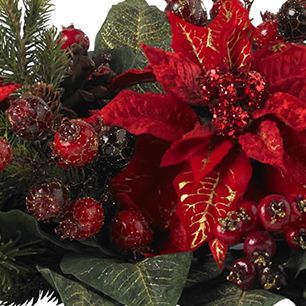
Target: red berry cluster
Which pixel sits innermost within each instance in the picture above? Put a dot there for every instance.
(255, 224)
(70, 35)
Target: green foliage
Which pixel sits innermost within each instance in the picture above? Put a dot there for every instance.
(24, 40)
(154, 281)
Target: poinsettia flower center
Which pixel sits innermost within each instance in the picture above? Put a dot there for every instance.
(232, 98)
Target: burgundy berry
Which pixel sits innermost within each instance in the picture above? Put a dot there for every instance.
(6, 154)
(273, 279)
(296, 237)
(298, 208)
(242, 273)
(252, 222)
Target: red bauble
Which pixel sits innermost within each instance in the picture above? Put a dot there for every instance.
(130, 230)
(76, 143)
(242, 273)
(30, 117)
(274, 212)
(267, 33)
(47, 200)
(250, 209)
(6, 154)
(296, 237)
(84, 221)
(259, 243)
(71, 35)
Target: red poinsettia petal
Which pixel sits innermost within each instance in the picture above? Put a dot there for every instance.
(132, 77)
(280, 62)
(218, 249)
(7, 89)
(266, 146)
(176, 73)
(190, 144)
(287, 108)
(204, 161)
(200, 206)
(162, 116)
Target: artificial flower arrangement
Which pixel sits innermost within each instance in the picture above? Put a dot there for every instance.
(168, 166)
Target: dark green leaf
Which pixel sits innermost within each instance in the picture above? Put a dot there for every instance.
(154, 281)
(71, 292)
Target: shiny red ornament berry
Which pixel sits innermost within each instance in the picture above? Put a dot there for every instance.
(47, 200)
(6, 154)
(271, 278)
(251, 223)
(192, 11)
(243, 274)
(260, 242)
(267, 33)
(30, 117)
(296, 237)
(130, 231)
(71, 35)
(298, 208)
(274, 212)
(76, 143)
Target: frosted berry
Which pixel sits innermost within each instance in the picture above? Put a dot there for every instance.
(266, 33)
(71, 35)
(30, 117)
(117, 147)
(47, 200)
(192, 11)
(130, 231)
(242, 273)
(85, 221)
(296, 237)
(292, 20)
(75, 143)
(274, 212)
(6, 154)
(272, 278)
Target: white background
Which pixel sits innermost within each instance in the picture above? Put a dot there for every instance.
(89, 16)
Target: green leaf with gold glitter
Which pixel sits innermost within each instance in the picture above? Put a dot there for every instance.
(152, 282)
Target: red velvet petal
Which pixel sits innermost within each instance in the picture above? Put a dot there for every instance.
(7, 89)
(218, 249)
(289, 109)
(176, 73)
(209, 157)
(200, 206)
(159, 115)
(266, 146)
(185, 148)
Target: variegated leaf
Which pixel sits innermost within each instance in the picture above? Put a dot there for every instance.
(155, 281)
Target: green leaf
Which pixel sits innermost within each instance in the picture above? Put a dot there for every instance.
(71, 292)
(154, 281)
(132, 23)
(229, 295)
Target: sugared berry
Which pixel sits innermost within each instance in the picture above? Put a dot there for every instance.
(30, 117)
(71, 35)
(130, 231)
(6, 154)
(274, 212)
(75, 143)
(272, 278)
(242, 273)
(296, 237)
(47, 200)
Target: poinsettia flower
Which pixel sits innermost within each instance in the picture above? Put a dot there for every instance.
(218, 161)
(6, 89)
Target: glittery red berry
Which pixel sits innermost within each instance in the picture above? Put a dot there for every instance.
(296, 237)
(192, 11)
(242, 273)
(266, 33)
(298, 208)
(30, 117)
(130, 231)
(71, 35)
(84, 221)
(6, 154)
(75, 143)
(47, 200)
(271, 278)
(252, 222)
(274, 212)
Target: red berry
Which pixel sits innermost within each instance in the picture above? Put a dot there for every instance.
(76, 143)
(6, 154)
(85, 221)
(296, 237)
(226, 235)
(71, 35)
(272, 278)
(260, 242)
(130, 230)
(250, 209)
(30, 117)
(298, 208)
(242, 273)
(47, 200)
(266, 33)
(274, 212)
